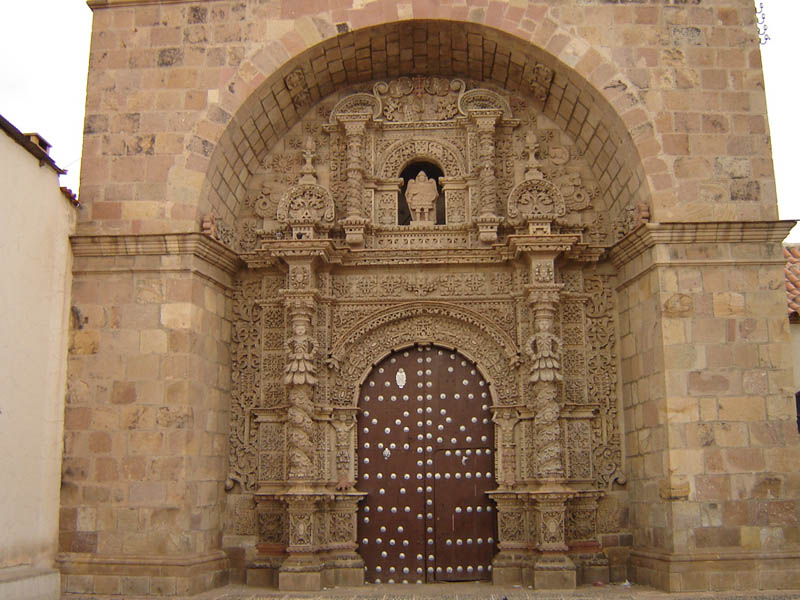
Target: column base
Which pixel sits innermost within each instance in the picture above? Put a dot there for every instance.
(592, 568)
(554, 572)
(346, 570)
(300, 574)
(511, 568)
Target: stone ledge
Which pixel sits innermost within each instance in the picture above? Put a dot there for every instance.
(648, 235)
(170, 244)
(156, 576)
(28, 583)
(716, 571)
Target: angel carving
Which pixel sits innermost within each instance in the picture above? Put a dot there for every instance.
(544, 348)
(421, 195)
(300, 351)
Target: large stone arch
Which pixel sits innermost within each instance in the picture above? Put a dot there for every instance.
(356, 350)
(279, 82)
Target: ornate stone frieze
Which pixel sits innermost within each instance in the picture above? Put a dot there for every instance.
(407, 324)
(403, 152)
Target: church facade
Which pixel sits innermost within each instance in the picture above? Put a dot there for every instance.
(374, 292)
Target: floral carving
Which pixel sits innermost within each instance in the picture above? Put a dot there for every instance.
(511, 526)
(602, 379)
(298, 88)
(272, 526)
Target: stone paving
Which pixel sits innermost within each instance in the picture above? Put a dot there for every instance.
(484, 591)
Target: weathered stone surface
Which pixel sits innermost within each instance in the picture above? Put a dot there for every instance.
(648, 143)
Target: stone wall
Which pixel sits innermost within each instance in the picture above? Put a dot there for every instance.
(709, 413)
(665, 103)
(34, 241)
(145, 443)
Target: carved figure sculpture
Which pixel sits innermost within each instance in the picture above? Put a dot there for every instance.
(421, 194)
(300, 350)
(544, 349)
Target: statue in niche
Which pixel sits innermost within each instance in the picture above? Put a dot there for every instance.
(300, 350)
(421, 195)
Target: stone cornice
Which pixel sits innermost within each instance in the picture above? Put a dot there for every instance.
(192, 244)
(648, 235)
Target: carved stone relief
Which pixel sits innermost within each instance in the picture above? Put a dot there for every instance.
(310, 321)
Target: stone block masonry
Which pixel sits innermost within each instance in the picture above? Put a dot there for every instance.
(659, 271)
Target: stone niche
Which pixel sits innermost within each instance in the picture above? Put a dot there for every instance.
(413, 212)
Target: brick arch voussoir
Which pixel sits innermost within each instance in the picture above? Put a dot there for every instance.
(256, 108)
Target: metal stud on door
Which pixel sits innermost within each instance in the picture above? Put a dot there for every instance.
(425, 454)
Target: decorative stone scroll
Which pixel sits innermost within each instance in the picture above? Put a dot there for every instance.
(482, 100)
(366, 106)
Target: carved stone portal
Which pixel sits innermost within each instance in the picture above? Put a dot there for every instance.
(512, 281)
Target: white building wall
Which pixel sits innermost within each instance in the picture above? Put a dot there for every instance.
(35, 271)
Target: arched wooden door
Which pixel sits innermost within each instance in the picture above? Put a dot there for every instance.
(426, 461)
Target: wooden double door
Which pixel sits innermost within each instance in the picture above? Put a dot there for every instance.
(426, 461)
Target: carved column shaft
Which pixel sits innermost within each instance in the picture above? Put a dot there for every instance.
(544, 348)
(300, 371)
(488, 180)
(344, 422)
(355, 131)
(506, 420)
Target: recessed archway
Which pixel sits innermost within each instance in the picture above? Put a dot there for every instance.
(609, 124)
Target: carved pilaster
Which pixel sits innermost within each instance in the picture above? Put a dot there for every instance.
(355, 129)
(300, 371)
(302, 569)
(506, 420)
(486, 122)
(553, 568)
(486, 209)
(514, 559)
(344, 421)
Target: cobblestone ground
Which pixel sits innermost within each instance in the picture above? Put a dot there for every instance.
(472, 591)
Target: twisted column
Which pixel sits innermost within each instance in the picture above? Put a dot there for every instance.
(544, 350)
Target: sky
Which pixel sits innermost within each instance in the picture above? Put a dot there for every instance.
(45, 50)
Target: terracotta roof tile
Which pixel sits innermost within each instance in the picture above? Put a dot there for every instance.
(792, 277)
